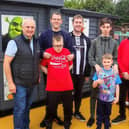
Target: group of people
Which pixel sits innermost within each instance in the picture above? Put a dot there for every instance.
(67, 60)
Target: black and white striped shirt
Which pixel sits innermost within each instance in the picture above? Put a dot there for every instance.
(81, 46)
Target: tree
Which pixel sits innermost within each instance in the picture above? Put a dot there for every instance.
(75, 4)
(122, 10)
(103, 6)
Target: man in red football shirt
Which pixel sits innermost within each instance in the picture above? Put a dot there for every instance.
(59, 83)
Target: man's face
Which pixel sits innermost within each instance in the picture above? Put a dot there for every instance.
(28, 28)
(56, 21)
(58, 45)
(15, 27)
(107, 63)
(105, 29)
(78, 24)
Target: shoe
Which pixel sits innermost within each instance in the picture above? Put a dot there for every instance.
(118, 119)
(90, 122)
(58, 121)
(79, 116)
(43, 123)
(110, 125)
(49, 125)
(67, 125)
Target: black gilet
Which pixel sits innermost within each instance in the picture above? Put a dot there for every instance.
(25, 66)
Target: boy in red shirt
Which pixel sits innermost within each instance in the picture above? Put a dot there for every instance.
(59, 83)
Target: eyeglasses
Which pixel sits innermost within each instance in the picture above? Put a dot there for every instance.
(57, 45)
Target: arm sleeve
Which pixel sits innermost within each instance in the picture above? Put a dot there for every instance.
(68, 53)
(95, 77)
(123, 53)
(118, 80)
(44, 62)
(91, 54)
(88, 67)
(42, 44)
(11, 49)
(69, 44)
(115, 53)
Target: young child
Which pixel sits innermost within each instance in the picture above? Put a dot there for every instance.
(59, 83)
(108, 83)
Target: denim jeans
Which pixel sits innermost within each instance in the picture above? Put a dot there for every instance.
(22, 103)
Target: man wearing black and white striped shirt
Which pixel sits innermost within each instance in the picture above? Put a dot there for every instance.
(81, 68)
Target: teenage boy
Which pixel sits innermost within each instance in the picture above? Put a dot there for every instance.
(59, 83)
(81, 67)
(104, 43)
(107, 82)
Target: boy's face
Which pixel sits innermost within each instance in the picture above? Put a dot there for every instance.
(105, 29)
(78, 24)
(58, 45)
(107, 63)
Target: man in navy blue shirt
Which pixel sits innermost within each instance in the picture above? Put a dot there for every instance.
(45, 41)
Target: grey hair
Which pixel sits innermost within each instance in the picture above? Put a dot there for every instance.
(28, 19)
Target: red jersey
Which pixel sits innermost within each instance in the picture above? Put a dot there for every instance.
(58, 78)
(123, 53)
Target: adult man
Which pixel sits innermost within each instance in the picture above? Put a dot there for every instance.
(99, 46)
(123, 62)
(45, 41)
(21, 66)
(81, 68)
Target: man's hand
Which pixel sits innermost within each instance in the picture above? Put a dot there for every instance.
(87, 79)
(70, 57)
(98, 68)
(12, 88)
(125, 75)
(46, 55)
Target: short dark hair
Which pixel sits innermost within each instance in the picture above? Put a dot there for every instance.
(56, 13)
(77, 17)
(105, 20)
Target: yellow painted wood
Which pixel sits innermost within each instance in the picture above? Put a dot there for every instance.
(37, 115)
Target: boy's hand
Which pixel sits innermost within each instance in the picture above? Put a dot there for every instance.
(46, 55)
(116, 100)
(70, 57)
(100, 81)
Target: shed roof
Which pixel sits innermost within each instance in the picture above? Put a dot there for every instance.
(57, 3)
(88, 13)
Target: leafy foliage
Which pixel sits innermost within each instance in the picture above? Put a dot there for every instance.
(122, 10)
(104, 6)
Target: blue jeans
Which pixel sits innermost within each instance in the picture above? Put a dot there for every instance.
(22, 103)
